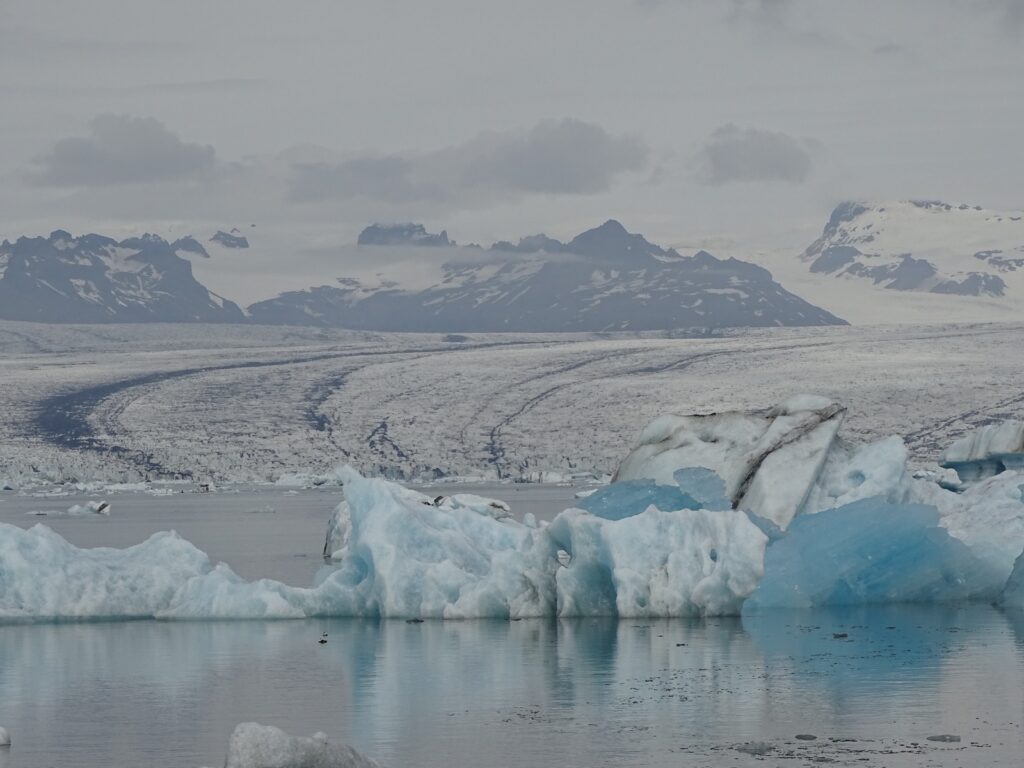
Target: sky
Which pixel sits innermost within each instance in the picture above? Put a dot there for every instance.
(734, 125)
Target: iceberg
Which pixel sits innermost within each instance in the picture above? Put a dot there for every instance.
(768, 462)
(869, 552)
(43, 577)
(987, 451)
(689, 562)
(263, 746)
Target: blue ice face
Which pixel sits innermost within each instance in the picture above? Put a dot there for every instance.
(631, 497)
(704, 486)
(867, 552)
(698, 488)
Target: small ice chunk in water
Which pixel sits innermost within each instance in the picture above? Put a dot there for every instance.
(263, 746)
(5, 738)
(90, 508)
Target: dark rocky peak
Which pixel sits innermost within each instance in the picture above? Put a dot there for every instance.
(232, 239)
(402, 234)
(611, 242)
(531, 244)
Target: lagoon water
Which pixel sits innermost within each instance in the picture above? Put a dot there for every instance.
(872, 684)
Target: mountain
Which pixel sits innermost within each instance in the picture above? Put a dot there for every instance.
(924, 245)
(232, 239)
(402, 234)
(96, 279)
(605, 279)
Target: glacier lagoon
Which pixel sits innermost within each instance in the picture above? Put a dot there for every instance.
(742, 514)
(869, 682)
(570, 692)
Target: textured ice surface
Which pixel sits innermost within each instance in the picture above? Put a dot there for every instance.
(263, 746)
(868, 552)
(690, 562)
(987, 451)
(42, 576)
(1002, 437)
(768, 462)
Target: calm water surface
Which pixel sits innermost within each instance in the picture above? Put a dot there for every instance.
(489, 693)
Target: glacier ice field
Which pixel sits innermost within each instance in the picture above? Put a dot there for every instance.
(708, 515)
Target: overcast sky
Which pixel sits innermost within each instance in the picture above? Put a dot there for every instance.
(734, 123)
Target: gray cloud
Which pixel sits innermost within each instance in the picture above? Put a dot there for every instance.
(734, 154)
(554, 157)
(121, 150)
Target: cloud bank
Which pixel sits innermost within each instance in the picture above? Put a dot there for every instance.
(120, 149)
(733, 154)
(554, 157)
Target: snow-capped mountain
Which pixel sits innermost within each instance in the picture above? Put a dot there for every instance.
(605, 279)
(924, 245)
(96, 279)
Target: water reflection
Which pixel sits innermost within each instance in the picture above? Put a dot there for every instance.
(572, 692)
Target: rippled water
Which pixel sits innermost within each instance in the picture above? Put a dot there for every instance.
(527, 693)
(870, 684)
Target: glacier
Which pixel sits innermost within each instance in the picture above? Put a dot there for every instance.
(709, 515)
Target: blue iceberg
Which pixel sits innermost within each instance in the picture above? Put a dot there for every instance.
(868, 552)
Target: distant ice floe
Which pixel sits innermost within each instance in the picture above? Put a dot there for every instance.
(263, 746)
(708, 515)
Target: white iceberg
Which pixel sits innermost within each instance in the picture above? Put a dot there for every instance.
(44, 577)
(263, 746)
(767, 462)
(690, 562)
(987, 451)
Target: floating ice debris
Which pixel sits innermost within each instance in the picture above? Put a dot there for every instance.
(263, 746)
(90, 508)
(947, 738)
(77, 510)
(5, 738)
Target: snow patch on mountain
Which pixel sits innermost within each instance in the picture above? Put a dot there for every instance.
(96, 279)
(924, 245)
